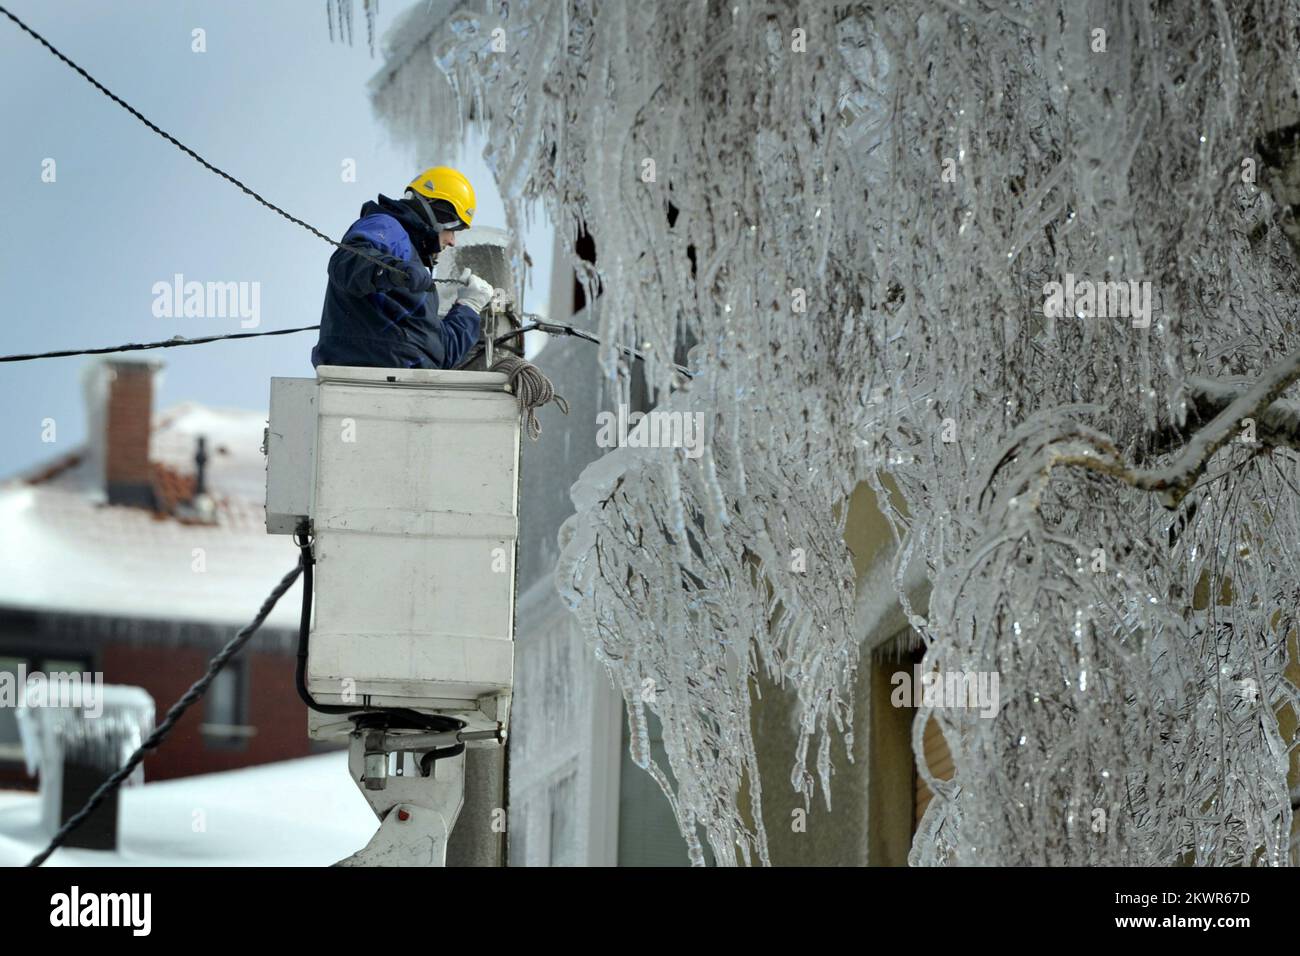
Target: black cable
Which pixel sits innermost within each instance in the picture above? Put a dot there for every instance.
(168, 344)
(308, 226)
(548, 327)
(551, 328)
(195, 692)
(177, 341)
(363, 717)
(429, 758)
(195, 156)
(304, 631)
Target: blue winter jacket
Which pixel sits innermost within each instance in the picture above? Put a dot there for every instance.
(367, 320)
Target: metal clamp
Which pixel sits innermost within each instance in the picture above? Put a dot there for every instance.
(417, 811)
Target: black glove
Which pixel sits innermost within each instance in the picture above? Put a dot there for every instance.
(409, 276)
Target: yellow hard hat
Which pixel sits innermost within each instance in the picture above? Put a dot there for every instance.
(443, 182)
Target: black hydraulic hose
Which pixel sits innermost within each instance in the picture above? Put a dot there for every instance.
(433, 756)
(400, 717)
(304, 632)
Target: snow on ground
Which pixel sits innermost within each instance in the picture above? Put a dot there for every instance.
(304, 812)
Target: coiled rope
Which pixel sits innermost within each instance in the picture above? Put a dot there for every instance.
(531, 387)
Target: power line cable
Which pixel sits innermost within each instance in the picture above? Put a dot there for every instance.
(195, 156)
(139, 346)
(196, 691)
(154, 127)
(550, 328)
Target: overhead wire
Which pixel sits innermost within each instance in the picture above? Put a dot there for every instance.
(550, 328)
(534, 390)
(210, 167)
(155, 128)
(171, 343)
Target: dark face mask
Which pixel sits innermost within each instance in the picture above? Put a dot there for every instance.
(428, 248)
(426, 241)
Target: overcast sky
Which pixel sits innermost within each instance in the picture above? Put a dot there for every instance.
(273, 102)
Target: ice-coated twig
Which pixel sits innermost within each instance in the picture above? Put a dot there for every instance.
(1085, 448)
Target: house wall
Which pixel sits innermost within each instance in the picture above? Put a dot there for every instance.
(564, 766)
(165, 658)
(564, 747)
(274, 712)
(571, 785)
(869, 818)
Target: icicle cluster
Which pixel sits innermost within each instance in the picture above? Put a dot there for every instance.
(97, 728)
(339, 15)
(853, 212)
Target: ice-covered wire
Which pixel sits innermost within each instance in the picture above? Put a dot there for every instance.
(191, 696)
(552, 328)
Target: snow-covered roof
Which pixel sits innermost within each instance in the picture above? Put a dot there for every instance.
(67, 550)
(305, 812)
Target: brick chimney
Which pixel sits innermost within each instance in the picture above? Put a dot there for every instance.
(120, 396)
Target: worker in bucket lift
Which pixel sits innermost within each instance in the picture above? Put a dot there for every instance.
(388, 317)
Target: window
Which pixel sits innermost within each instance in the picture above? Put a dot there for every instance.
(647, 829)
(226, 724)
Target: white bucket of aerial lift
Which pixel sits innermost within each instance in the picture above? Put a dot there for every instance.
(414, 511)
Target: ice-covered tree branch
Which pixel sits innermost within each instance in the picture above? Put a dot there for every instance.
(1275, 424)
(1223, 407)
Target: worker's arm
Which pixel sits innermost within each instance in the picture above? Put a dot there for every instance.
(463, 321)
(460, 330)
(363, 274)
